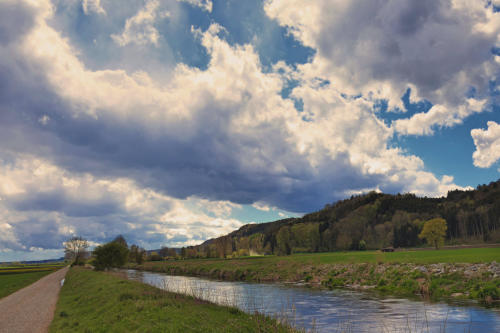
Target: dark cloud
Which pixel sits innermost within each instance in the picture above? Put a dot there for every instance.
(60, 202)
(17, 18)
(39, 233)
(424, 43)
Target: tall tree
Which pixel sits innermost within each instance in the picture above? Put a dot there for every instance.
(75, 249)
(283, 241)
(164, 252)
(434, 231)
(137, 254)
(121, 240)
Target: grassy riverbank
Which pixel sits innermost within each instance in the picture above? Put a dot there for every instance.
(100, 302)
(461, 273)
(15, 277)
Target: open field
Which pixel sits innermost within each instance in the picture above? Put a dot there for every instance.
(99, 302)
(465, 273)
(290, 265)
(29, 268)
(13, 278)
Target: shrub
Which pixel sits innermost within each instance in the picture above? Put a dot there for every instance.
(110, 255)
(382, 282)
(154, 256)
(489, 290)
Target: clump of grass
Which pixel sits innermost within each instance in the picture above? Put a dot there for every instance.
(489, 292)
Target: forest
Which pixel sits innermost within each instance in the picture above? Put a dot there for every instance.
(363, 222)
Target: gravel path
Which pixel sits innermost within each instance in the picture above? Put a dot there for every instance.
(31, 309)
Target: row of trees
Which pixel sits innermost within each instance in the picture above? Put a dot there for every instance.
(116, 253)
(308, 237)
(112, 254)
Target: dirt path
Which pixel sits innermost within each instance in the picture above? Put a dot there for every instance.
(31, 309)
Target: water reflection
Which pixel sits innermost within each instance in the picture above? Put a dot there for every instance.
(330, 311)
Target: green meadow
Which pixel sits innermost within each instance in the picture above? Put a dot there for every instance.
(15, 277)
(270, 264)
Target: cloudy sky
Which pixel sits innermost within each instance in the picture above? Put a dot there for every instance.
(174, 121)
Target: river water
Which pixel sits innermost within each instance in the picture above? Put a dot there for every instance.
(331, 311)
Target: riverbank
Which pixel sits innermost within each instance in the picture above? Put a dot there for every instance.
(458, 273)
(101, 302)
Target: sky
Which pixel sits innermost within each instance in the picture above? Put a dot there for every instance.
(175, 121)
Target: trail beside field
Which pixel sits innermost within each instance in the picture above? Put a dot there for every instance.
(31, 309)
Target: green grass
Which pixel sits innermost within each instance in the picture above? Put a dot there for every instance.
(393, 272)
(12, 282)
(469, 255)
(32, 267)
(99, 302)
(15, 277)
(25, 268)
(266, 268)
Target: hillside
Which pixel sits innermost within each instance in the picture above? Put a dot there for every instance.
(371, 221)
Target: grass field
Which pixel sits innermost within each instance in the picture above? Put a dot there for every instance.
(99, 302)
(268, 264)
(469, 255)
(400, 273)
(13, 277)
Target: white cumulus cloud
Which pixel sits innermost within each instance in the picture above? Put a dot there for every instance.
(90, 6)
(203, 4)
(140, 28)
(379, 49)
(487, 142)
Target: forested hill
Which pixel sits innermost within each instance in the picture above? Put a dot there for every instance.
(371, 221)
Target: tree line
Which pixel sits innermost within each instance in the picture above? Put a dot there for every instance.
(115, 253)
(370, 221)
(363, 222)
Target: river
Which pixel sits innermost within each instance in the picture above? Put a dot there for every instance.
(331, 311)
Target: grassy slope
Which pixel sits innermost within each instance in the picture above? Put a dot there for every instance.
(389, 272)
(9, 283)
(99, 302)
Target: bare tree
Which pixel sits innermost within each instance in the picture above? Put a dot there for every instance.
(224, 246)
(164, 252)
(137, 254)
(75, 249)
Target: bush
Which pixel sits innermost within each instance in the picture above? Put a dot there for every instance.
(362, 245)
(78, 263)
(154, 256)
(110, 255)
(382, 282)
(489, 290)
